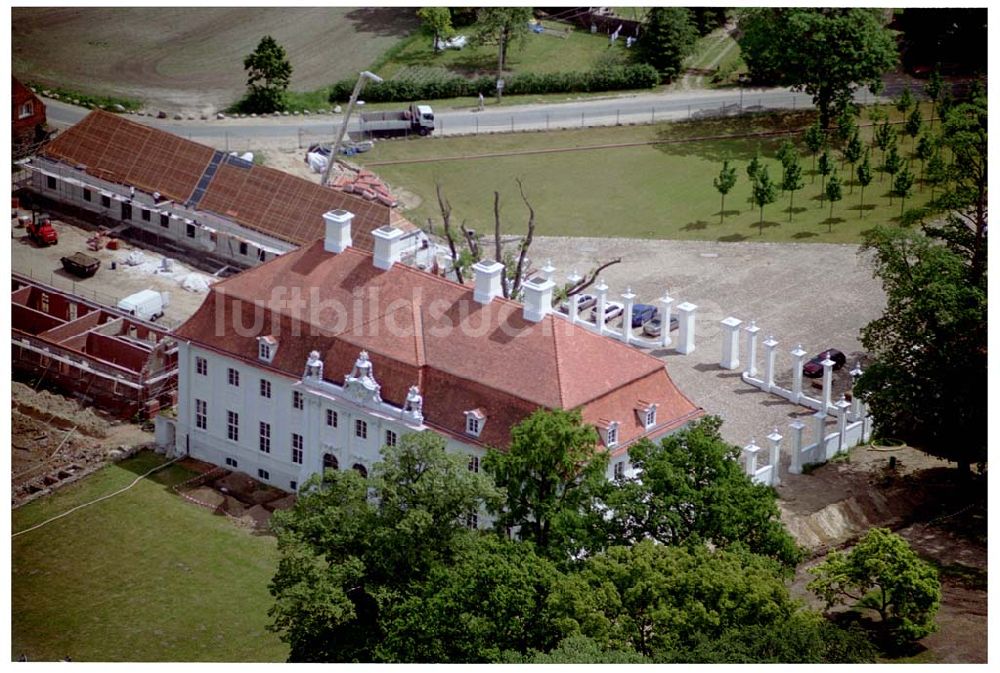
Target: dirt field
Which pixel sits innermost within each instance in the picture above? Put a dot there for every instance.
(54, 441)
(191, 59)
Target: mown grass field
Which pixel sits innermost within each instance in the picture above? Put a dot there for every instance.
(636, 182)
(143, 576)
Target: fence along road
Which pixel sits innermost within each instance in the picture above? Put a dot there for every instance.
(632, 109)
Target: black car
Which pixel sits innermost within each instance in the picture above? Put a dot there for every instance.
(814, 369)
(643, 313)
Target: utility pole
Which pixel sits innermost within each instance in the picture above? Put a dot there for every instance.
(362, 78)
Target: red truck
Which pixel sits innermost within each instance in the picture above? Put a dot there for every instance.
(41, 231)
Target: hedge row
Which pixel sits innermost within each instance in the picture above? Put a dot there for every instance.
(636, 76)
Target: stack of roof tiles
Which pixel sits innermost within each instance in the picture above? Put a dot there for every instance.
(365, 184)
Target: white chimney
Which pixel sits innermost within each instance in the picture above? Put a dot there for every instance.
(489, 276)
(537, 298)
(338, 230)
(388, 246)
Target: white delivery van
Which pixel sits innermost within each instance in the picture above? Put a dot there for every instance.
(145, 305)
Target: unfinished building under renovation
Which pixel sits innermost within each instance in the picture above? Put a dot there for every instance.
(106, 359)
(186, 196)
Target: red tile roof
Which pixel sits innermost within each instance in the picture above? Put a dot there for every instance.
(420, 329)
(272, 202)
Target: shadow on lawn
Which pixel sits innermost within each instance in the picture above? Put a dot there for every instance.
(384, 21)
(734, 138)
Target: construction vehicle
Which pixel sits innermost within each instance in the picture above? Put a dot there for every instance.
(414, 119)
(41, 231)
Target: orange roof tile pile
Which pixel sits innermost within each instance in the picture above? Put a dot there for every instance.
(420, 329)
(365, 184)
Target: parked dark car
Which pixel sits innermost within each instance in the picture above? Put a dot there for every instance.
(643, 313)
(654, 327)
(814, 369)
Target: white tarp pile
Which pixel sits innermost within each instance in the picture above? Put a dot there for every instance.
(135, 258)
(195, 282)
(317, 162)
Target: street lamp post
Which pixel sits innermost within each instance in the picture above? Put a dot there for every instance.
(362, 78)
(743, 79)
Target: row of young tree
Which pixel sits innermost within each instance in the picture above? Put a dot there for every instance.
(687, 564)
(929, 150)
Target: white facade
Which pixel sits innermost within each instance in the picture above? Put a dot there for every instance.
(349, 423)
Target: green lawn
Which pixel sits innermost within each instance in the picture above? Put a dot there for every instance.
(659, 189)
(143, 576)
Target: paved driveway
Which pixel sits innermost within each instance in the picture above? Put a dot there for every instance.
(817, 295)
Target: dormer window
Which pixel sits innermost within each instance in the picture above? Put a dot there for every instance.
(647, 414)
(474, 422)
(267, 346)
(609, 432)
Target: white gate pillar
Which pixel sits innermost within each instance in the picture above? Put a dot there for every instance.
(842, 407)
(819, 422)
(751, 331)
(667, 302)
(796, 465)
(730, 343)
(629, 300)
(775, 439)
(855, 399)
(548, 270)
(602, 299)
(770, 344)
(827, 382)
(798, 355)
(750, 452)
(685, 314)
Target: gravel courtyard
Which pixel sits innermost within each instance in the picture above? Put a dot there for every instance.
(816, 295)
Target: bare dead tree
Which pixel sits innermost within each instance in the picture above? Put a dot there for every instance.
(498, 256)
(589, 279)
(471, 240)
(525, 244)
(445, 207)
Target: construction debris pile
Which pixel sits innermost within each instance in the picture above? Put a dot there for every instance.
(244, 500)
(365, 184)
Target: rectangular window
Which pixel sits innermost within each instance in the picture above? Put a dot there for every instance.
(26, 110)
(105, 201)
(296, 448)
(146, 215)
(190, 231)
(261, 255)
(361, 429)
(473, 463)
(297, 400)
(612, 436)
(201, 365)
(265, 437)
(126, 211)
(651, 418)
(231, 462)
(620, 469)
(331, 418)
(293, 485)
(50, 182)
(265, 388)
(87, 195)
(472, 520)
(263, 474)
(390, 438)
(201, 414)
(472, 425)
(243, 248)
(234, 377)
(233, 425)
(164, 220)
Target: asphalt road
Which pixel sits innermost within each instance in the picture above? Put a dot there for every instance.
(630, 109)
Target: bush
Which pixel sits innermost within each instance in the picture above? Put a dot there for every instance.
(609, 78)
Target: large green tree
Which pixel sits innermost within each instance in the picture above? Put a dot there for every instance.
(502, 27)
(692, 487)
(553, 475)
(927, 382)
(352, 548)
(882, 573)
(436, 22)
(828, 52)
(667, 37)
(657, 599)
(268, 75)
